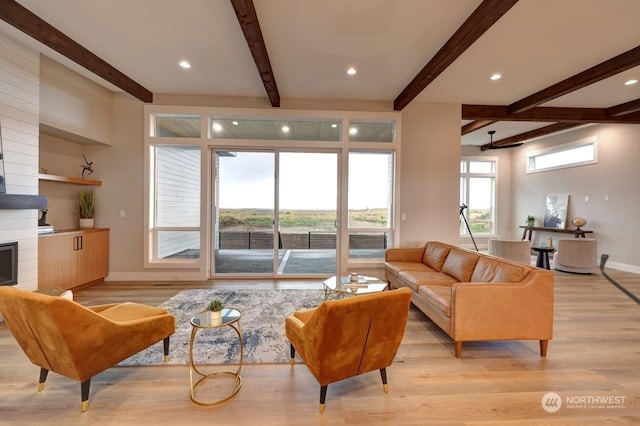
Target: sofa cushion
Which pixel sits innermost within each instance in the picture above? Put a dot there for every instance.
(396, 267)
(491, 270)
(460, 264)
(435, 255)
(439, 296)
(415, 279)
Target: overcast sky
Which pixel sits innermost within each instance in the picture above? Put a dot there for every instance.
(307, 181)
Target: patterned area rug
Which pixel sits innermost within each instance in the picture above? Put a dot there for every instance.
(262, 325)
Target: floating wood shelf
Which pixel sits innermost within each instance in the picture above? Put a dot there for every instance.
(65, 179)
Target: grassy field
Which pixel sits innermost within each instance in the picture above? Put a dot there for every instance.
(298, 220)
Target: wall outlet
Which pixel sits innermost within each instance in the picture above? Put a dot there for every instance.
(123, 213)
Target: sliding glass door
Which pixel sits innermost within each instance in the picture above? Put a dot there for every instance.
(244, 197)
(307, 212)
(257, 192)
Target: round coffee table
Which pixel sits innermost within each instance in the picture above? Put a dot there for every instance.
(334, 286)
(202, 320)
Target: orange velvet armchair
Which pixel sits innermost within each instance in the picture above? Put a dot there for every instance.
(67, 338)
(344, 338)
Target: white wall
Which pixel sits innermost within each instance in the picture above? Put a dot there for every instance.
(616, 175)
(19, 106)
(430, 174)
(74, 105)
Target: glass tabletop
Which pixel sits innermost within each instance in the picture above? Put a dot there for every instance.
(373, 285)
(205, 319)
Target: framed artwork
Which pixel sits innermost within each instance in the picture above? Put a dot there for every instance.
(555, 211)
(3, 187)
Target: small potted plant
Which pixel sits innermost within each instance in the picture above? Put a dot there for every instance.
(530, 220)
(215, 311)
(87, 208)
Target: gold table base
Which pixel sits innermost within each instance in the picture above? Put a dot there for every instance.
(193, 368)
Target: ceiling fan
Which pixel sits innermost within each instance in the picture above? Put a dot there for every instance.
(492, 146)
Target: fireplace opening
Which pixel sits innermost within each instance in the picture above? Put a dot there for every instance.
(9, 263)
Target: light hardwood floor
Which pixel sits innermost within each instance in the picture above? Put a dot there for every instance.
(595, 353)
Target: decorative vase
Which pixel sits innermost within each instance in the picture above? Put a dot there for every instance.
(87, 223)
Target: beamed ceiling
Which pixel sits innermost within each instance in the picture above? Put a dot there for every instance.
(564, 63)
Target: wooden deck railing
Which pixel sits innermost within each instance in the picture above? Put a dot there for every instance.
(310, 240)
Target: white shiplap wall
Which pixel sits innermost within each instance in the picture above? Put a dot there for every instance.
(19, 117)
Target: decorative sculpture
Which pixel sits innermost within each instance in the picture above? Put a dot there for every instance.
(87, 167)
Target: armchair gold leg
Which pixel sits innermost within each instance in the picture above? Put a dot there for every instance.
(292, 361)
(84, 394)
(323, 397)
(383, 375)
(43, 377)
(166, 359)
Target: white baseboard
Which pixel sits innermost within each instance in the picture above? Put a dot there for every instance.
(155, 276)
(623, 267)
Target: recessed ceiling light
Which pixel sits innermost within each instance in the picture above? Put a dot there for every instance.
(285, 129)
(351, 71)
(496, 76)
(353, 131)
(185, 64)
(235, 123)
(217, 127)
(334, 125)
(630, 82)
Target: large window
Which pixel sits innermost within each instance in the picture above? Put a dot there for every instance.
(578, 153)
(370, 201)
(277, 192)
(478, 194)
(175, 228)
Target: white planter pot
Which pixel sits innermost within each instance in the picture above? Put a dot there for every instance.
(215, 317)
(87, 223)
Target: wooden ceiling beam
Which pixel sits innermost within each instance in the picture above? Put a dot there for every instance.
(557, 114)
(475, 125)
(29, 23)
(606, 69)
(625, 108)
(536, 133)
(248, 19)
(485, 15)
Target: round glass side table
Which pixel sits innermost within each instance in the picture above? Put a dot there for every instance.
(203, 320)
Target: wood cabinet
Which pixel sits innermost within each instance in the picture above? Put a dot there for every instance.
(68, 259)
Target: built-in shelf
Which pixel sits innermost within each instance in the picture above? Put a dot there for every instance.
(65, 179)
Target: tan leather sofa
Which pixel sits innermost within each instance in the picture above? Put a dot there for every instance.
(473, 296)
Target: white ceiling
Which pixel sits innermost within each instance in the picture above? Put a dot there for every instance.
(311, 44)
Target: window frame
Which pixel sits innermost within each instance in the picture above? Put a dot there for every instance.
(208, 143)
(467, 175)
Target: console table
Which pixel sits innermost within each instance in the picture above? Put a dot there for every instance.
(529, 229)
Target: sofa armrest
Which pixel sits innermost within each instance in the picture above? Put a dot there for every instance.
(404, 254)
(503, 311)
